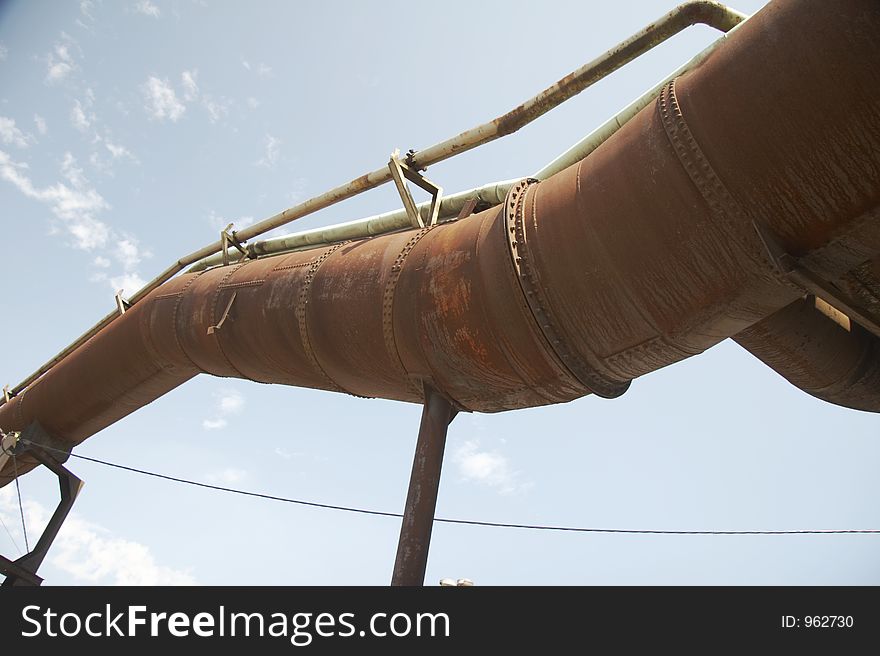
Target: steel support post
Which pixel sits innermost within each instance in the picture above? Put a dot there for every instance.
(421, 499)
(23, 572)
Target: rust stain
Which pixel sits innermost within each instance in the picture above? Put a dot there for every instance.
(639, 256)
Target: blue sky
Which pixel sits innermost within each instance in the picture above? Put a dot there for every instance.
(132, 132)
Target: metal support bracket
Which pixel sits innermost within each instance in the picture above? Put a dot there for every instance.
(121, 304)
(470, 205)
(227, 238)
(421, 498)
(23, 571)
(8, 442)
(822, 289)
(401, 172)
(213, 329)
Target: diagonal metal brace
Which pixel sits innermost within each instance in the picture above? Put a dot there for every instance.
(401, 172)
(822, 289)
(224, 317)
(227, 238)
(23, 571)
(121, 304)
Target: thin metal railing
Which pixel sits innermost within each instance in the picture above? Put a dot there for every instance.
(691, 13)
(489, 195)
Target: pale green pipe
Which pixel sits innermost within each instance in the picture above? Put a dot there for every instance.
(696, 11)
(450, 206)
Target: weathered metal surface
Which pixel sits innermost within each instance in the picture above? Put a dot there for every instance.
(818, 355)
(690, 13)
(460, 320)
(640, 255)
(533, 290)
(421, 497)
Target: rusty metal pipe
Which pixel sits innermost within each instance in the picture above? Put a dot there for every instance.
(818, 355)
(690, 13)
(379, 224)
(638, 256)
(820, 349)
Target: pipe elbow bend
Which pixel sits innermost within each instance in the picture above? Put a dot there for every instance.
(818, 355)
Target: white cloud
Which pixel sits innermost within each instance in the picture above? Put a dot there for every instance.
(85, 8)
(60, 62)
(273, 150)
(128, 282)
(81, 115)
(40, 122)
(486, 467)
(229, 402)
(10, 134)
(263, 70)
(118, 151)
(98, 163)
(104, 159)
(162, 102)
(252, 102)
(76, 205)
(228, 476)
(147, 8)
(4, 51)
(190, 86)
(72, 172)
(89, 233)
(216, 109)
(79, 118)
(89, 552)
(219, 222)
(129, 253)
(284, 453)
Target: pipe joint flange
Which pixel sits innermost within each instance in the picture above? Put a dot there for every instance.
(536, 299)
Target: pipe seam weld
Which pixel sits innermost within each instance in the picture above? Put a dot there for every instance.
(19, 412)
(301, 306)
(298, 265)
(388, 310)
(239, 285)
(174, 314)
(723, 205)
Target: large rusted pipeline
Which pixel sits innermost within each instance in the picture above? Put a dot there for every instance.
(818, 355)
(641, 255)
(836, 361)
